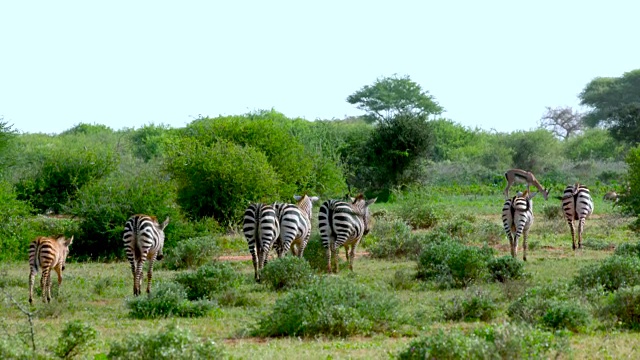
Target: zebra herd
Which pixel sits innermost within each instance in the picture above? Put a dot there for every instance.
(517, 212)
(287, 227)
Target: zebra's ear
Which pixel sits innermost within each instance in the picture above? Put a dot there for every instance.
(297, 197)
(164, 224)
(68, 242)
(314, 198)
(371, 201)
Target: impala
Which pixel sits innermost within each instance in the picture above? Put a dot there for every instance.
(521, 176)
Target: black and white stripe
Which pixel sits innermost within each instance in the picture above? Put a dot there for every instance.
(46, 254)
(143, 240)
(517, 218)
(343, 224)
(295, 225)
(261, 228)
(577, 204)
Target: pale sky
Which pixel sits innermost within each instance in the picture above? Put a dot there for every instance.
(490, 64)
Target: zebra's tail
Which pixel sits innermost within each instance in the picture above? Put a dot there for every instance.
(257, 237)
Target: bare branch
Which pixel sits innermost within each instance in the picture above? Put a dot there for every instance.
(29, 314)
(562, 121)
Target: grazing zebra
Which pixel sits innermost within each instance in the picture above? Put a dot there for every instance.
(261, 228)
(47, 253)
(577, 205)
(517, 218)
(343, 224)
(295, 225)
(143, 240)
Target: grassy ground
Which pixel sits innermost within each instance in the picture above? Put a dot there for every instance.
(96, 292)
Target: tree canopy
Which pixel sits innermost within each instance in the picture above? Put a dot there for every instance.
(611, 98)
(391, 96)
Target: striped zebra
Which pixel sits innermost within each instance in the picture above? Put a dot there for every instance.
(295, 225)
(343, 224)
(261, 228)
(47, 253)
(517, 218)
(143, 240)
(577, 205)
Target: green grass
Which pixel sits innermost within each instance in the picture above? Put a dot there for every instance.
(95, 293)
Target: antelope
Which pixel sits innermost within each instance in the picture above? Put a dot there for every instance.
(611, 196)
(522, 176)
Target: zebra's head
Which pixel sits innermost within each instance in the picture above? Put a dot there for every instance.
(64, 243)
(361, 207)
(305, 203)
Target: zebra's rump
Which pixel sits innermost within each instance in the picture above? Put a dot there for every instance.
(143, 236)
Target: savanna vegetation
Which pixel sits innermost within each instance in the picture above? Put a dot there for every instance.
(432, 280)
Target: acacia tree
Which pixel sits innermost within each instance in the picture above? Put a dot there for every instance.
(562, 121)
(610, 98)
(391, 96)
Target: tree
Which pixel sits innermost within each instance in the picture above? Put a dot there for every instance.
(625, 123)
(608, 95)
(7, 133)
(562, 121)
(391, 96)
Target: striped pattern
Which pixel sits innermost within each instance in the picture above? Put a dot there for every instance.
(295, 225)
(343, 224)
(46, 254)
(143, 240)
(577, 206)
(261, 228)
(517, 218)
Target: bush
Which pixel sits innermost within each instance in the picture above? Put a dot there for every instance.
(75, 336)
(287, 272)
(475, 305)
(315, 254)
(330, 306)
(391, 239)
(171, 343)
(612, 273)
(418, 214)
(403, 280)
(209, 281)
(191, 253)
(565, 315)
(628, 249)
(506, 268)
(452, 264)
(15, 232)
(552, 211)
(625, 307)
(167, 299)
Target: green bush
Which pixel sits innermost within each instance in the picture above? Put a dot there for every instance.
(403, 280)
(628, 249)
(612, 273)
(452, 264)
(473, 306)
(75, 336)
(148, 141)
(221, 179)
(170, 343)
(565, 315)
(287, 272)
(209, 281)
(552, 211)
(418, 214)
(330, 306)
(315, 254)
(624, 305)
(167, 299)
(15, 232)
(392, 239)
(506, 268)
(191, 253)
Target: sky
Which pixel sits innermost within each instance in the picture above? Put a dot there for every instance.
(493, 65)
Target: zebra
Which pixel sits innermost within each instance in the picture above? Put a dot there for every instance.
(517, 218)
(261, 228)
(343, 224)
(295, 225)
(577, 204)
(143, 240)
(47, 253)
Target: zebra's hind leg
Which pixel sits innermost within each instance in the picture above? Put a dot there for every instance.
(573, 234)
(150, 274)
(580, 229)
(524, 245)
(32, 279)
(352, 255)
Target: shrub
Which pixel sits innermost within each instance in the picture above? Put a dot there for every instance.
(628, 249)
(209, 280)
(391, 239)
(506, 268)
(565, 315)
(475, 305)
(15, 232)
(191, 253)
(287, 272)
(552, 211)
(315, 254)
(166, 299)
(74, 338)
(418, 214)
(330, 306)
(625, 307)
(170, 343)
(453, 264)
(612, 273)
(403, 280)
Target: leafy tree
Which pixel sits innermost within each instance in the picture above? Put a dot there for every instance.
(447, 137)
(608, 96)
(391, 96)
(592, 144)
(562, 121)
(7, 133)
(625, 123)
(536, 151)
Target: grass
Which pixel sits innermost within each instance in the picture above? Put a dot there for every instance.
(95, 293)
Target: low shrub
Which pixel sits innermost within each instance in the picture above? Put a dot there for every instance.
(488, 232)
(170, 343)
(624, 306)
(612, 273)
(191, 253)
(286, 273)
(458, 227)
(565, 315)
(403, 280)
(452, 264)
(506, 268)
(167, 299)
(209, 281)
(472, 306)
(628, 249)
(418, 214)
(552, 211)
(392, 239)
(599, 245)
(76, 336)
(330, 306)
